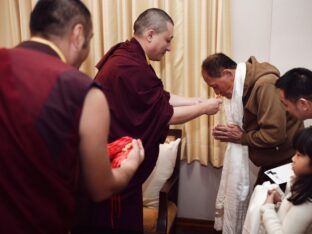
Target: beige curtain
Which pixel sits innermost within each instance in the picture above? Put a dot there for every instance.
(202, 27)
(14, 21)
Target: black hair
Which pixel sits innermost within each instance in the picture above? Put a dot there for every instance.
(296, 84)
(56, 17)
(301, 190)
(216, 63)
(152, 18)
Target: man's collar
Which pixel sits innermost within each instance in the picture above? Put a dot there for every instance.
(146, 57)
(51, 45)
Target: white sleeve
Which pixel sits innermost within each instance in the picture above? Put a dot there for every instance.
(297, 220)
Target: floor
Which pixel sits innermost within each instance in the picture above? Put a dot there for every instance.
(195, 230)
(186, 226)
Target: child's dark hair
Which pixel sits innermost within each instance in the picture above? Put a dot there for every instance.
(302, 188)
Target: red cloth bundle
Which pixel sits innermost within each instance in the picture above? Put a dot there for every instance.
(119, 150)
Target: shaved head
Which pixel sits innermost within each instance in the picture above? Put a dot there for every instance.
(153, 18)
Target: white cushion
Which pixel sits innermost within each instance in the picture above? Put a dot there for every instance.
(161, 173)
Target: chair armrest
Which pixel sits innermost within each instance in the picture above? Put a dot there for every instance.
(167, 193)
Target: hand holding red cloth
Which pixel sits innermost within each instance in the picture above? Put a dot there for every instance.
(119, 150)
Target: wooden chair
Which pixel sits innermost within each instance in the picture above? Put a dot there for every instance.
(168, 197)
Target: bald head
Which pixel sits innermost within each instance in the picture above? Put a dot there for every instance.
(153, 18)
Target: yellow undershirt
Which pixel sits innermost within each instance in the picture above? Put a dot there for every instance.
(147, 59)
(51, 45)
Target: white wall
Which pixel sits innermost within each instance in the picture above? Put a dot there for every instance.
(277, 31)
(251, 29)
(291, 40)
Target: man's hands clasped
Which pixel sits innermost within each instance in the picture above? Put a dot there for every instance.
(228, 133)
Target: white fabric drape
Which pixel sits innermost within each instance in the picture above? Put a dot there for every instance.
(252, 224)
(232, 198)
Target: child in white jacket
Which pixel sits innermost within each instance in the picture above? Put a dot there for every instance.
(294, 216)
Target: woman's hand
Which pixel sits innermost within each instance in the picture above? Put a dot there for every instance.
(273, 197)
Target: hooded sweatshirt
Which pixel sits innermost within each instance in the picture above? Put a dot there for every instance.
(268, 128)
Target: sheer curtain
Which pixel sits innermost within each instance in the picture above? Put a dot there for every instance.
(202, 27)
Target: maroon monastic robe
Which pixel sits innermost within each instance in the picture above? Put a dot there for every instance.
(139, 108)
(40, 105)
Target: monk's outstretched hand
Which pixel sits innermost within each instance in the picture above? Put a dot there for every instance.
(211, 105)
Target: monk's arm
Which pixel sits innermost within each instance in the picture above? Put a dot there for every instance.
(176, 100)
(182, 114)
(100, 180)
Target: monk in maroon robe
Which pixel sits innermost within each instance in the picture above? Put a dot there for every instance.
(140, 108)
(53, 125)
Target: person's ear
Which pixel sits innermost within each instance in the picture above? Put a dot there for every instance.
(228, 73)
(77, 37)
(149, 35)
(303, 104)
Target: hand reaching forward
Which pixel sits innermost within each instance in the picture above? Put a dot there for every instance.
(211, 106)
